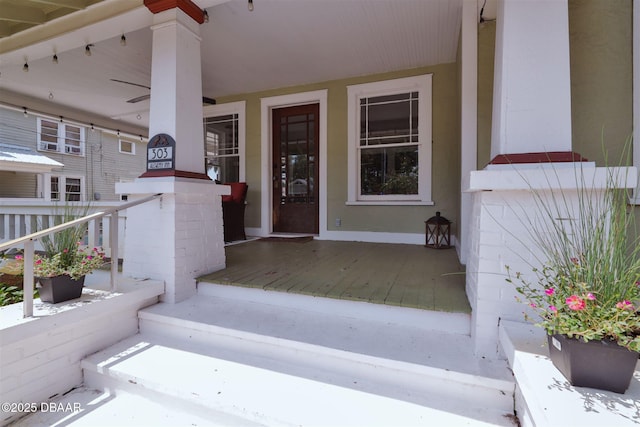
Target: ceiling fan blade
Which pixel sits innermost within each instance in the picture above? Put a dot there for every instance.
(138, 99)
(130, 83)
(205, 100)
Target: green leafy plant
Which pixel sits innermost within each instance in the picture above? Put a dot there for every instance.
(10, 295)
(589, 284)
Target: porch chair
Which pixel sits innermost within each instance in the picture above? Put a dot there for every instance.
(233, 211)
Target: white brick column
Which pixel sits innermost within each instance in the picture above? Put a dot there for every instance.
(500, 236)
(177, 237)
(180, 236)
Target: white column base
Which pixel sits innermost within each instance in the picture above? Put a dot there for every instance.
(499, 234)
(176, 237)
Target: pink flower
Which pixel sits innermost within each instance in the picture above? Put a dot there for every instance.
(532, 305)
(38, 262)
(65, 251)
(553, 308)
(19, 257)
(550, 291)
(89, 257)
(574, 260)
(625, 305)
(575, 303)
(591, 297)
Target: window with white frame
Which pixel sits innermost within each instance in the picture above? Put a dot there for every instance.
(126, 146)
(60, 137)
(224, 142)
(67, 188)
(390, 141)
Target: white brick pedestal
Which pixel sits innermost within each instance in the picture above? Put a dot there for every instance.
(499, 236)
(177, 237)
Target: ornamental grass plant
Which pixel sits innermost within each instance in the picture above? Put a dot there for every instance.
(589, 284)
(64, 252)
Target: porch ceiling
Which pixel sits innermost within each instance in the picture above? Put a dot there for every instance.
(281, 43)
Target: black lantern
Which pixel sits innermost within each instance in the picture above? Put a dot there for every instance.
(438, 232)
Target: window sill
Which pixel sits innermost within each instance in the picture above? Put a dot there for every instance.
(389, 203)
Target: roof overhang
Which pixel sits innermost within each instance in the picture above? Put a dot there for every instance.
(17, 158)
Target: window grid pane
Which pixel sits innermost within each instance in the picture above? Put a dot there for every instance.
(48, 135)
(72, 189)
(73, 140)
(55, 188)
(222, 147)
(389, 145)
(390, 119)
(388, 170)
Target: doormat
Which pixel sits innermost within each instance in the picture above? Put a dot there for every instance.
(301, 239)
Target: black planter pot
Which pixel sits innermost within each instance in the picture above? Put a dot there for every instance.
(59, 288)
(597, 364)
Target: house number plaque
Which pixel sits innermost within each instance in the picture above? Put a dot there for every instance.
(161, 151)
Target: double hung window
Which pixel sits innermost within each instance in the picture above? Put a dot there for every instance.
(224, 142)
(60, 137)
(390, 141)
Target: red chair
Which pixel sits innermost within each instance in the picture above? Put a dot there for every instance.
(233, 211)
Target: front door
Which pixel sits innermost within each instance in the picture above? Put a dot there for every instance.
(295, 169)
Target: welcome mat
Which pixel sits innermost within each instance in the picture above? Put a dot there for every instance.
(301, 239)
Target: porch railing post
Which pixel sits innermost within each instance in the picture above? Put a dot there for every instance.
(27, 280)
(113, 241)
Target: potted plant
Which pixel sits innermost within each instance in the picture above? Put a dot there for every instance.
(61, 270)
(586, 295)
(60, 275)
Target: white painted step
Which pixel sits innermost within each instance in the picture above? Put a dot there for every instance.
(187, 378)
(84, 407)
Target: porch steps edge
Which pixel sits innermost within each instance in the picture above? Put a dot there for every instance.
(255, 333)
(197, 380)
(456, 323)
(157, 325)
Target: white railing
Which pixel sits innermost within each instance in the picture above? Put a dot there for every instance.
(28, 243)
(20, 217)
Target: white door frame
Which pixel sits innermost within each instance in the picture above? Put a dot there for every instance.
(266, 132)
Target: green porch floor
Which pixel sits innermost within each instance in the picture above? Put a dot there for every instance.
(395, 274)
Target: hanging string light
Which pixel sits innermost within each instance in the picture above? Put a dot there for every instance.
(26, 111)
(87, 49)
(25, 67)
(206, 15)
(123, 40)
(54, 59)
(250, 5)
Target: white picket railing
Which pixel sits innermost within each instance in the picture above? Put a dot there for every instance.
(20, 217)
(28, 241)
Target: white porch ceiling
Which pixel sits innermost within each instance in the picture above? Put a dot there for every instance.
(281, 43)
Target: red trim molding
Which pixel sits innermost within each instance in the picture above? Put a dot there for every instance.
(177, 174)
(187, 6)
(543, 157)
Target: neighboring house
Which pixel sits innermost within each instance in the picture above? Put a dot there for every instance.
(69, 160)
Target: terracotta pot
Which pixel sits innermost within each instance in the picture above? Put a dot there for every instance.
(597, 364)
(59, 288)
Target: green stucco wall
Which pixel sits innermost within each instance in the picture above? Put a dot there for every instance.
(600, 36)
(398, 219)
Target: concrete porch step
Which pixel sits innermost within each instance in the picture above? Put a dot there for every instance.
(187, 380)
(272, 363)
